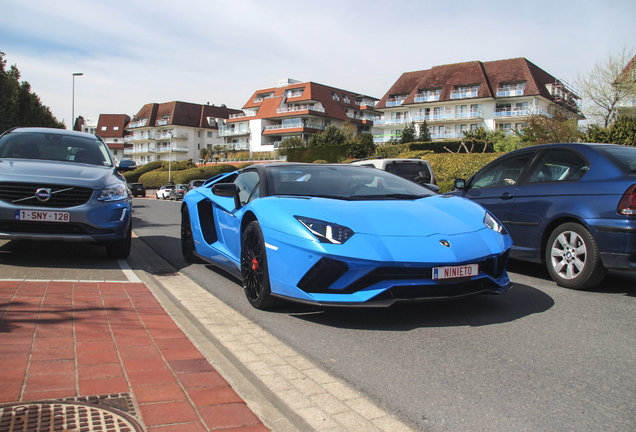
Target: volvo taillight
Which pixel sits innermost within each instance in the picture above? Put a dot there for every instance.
(627, 204)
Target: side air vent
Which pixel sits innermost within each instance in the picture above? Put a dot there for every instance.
(206, 218)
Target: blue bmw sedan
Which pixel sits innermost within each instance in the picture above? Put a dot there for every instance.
(570, 206)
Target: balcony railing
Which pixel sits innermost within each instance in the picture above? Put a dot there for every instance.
(391, 121)
(300, 108)
(520, 112)
(464, 94)
(447, 135)
(501, 92)
(243, 114)
(450, 115)
(166, 149)
(138, 123)
(167, 135)
(366, 103)
(231, 132)
(427, 97)
(295, 126)
(395, 101)
(379, 139)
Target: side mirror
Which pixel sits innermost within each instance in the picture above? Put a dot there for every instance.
(227, 190)
(459, 184)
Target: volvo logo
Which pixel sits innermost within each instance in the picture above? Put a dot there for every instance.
(43, 194)
(445, 243)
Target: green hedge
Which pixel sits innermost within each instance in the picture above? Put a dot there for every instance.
(159, 177)
(392, 151)
(331, 154)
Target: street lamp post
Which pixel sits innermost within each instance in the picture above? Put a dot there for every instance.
(73, 102)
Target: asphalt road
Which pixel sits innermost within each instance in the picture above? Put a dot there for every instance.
(538, 358)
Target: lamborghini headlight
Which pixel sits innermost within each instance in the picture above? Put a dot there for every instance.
(326, 232)
(114, 192)
(491, 222)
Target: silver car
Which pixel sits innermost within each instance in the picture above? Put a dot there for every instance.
(63, 186)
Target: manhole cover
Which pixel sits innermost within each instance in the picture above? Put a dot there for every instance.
(48, 416)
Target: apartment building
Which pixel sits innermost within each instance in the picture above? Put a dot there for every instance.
(465, 96)
(174, 131)
(112, 128)
(628, 78)
(295, 108)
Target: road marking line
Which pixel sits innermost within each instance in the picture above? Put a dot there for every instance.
(132, 277)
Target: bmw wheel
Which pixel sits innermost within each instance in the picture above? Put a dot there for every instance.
(573, 258)
(187, 240)
(254, 268)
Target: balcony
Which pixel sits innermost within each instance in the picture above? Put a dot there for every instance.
(162, 122)
(234, 132)
(427, 97)
(395, 101)
(168, 135)
(450, 115)
(294, 126)
(138, 123)
(366, 103)
(520, 112)
(391, 121)
(166, 149)
(243, 114)
(464, 94)
(447, 135)
(300, 108)
(380, 139)
(507, 92)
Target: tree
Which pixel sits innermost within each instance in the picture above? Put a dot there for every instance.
(332, 135)
(408, 134)
(622, 131)
(542, 129)
(606, 87)
(362, 146)
(425, 132)
(18, 105)
(204, 154)
(290, 142)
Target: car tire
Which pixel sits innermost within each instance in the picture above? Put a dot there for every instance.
(254, 269)
(573, 258)
(120, 249)
(187, 240)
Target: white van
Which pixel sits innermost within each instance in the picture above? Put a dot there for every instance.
(415, 170)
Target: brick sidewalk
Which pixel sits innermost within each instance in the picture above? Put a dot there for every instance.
(79, 339)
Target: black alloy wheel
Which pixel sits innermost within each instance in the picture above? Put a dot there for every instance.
(187, 240)
(254, 268)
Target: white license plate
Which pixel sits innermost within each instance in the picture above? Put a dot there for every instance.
(42, 216)
(455, 271)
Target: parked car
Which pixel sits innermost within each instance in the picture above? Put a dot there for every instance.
(137, 189)
(570, 206)
(164, 191)
(193, 184)
(340, 234)
(60, 185)
(178, 192)
(128, 164)
(416, 170)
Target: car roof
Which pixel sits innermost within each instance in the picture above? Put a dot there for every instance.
(50, 130)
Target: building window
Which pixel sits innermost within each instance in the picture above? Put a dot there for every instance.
(335, 97)
(115, 140)
(104, 128)
(116, 128)
(114, 152)
(209, 134)
(199, 146)
(345, 98)
(199, 134)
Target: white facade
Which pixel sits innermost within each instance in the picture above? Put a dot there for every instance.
(163, 143)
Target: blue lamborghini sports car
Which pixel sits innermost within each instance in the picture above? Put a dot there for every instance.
(342, 235)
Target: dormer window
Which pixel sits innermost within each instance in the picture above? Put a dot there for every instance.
(335, 97)
(345, 98)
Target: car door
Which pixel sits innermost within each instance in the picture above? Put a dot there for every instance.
(495, 186)
(229, 218)
(549, 190)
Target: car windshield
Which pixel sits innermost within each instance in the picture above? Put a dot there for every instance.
(55, 147)
(342, 182)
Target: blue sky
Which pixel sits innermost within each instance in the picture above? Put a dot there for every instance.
(220, 51)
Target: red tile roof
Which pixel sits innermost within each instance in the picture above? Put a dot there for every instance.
(183, 114)
(312, 93)
(115, 125)
(489, 76)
